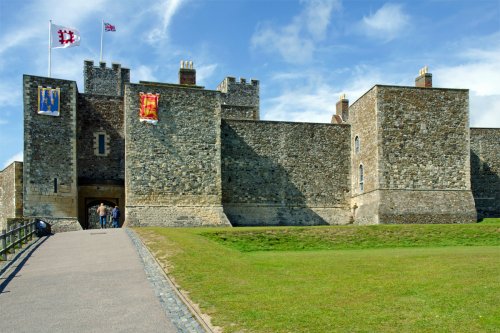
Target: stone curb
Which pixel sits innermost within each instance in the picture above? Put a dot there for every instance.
(182, 315)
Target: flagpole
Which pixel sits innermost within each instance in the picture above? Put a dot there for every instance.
(50, 46)
(102, 34)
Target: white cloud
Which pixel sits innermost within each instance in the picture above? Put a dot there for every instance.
(481, 77)
(484, 111)
(313, 98)
(478, 71)
(69, 13)
(143, 73)
(10, 95)
(386, 23)
(296, 42)
(166, 10)
(317, 16)
(204, 72)
(17, 157)
(287, 42)
(302, 106)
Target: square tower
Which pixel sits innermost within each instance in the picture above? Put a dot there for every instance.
(411, 156)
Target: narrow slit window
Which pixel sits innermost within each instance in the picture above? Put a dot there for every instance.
(55, 185)
(356, 144)
(102, 144)
(361, 179)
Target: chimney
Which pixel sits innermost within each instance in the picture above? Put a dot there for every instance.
(187, 74)
(424, 79)
(342, 108)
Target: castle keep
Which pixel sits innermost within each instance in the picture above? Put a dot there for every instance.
(396, 155)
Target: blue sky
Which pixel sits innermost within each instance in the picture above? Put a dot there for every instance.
(305, 53)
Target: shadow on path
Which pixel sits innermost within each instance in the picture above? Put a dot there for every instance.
(20, 264)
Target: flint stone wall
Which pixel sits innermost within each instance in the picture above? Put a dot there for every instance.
(240, 100)
(278, 173)
(419, 149)
(425, 138)
(99, 113)
(363, 119)
(172, 172)
(49, 153)
(485, 170)
(104, 81)
(11, 193)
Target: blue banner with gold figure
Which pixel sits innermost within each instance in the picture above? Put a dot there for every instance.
(48, 101)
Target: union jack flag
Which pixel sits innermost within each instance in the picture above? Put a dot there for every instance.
(109, 27)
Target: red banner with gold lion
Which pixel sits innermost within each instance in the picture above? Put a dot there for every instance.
(148, 111)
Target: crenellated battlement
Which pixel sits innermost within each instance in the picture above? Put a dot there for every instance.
(240, 100)
(230, 81)
(102, 80)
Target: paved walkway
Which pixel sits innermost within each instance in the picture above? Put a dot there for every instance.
(89, 281)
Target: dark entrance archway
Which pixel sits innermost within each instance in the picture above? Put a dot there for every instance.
(91, 216)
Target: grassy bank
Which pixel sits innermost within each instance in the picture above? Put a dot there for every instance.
(338, 279)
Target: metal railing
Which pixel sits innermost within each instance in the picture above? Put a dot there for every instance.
(19, 234)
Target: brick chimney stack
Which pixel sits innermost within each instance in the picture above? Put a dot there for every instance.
(187, 73)
(424, 79)
(342, 110)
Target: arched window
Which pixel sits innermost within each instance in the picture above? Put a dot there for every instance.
(356, 144)
(361, 179)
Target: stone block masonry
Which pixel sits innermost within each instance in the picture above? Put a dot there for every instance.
(172, 169)
(239, 100)
(396, 155)
(50, 170)
(11, 193)
(415, 151)
(105, 81)
(363, 120)
(100, 115)
(485, 170)
(277, 173)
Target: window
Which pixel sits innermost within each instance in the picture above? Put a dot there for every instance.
(356, 144)
(102, 144)
(361, 179)
(55, 185)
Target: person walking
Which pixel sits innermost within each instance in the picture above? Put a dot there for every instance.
(102, 211)
(115, 215)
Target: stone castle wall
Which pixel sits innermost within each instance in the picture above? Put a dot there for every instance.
(50, 168)
(363, 118)
(209, 157)
(425, 138)
(172, 172)
(239, 100)
(11, 193)
(485, 170)
(277, 173)
(99, 114)
(424, 167)
(105, 81)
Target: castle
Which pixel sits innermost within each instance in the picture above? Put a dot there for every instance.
(181, 155)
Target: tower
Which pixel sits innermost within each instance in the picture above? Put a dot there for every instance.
(411, 156)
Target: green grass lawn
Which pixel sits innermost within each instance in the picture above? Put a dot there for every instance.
(409, 278)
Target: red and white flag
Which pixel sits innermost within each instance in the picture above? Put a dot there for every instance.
(109, 27)
(63, 37)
